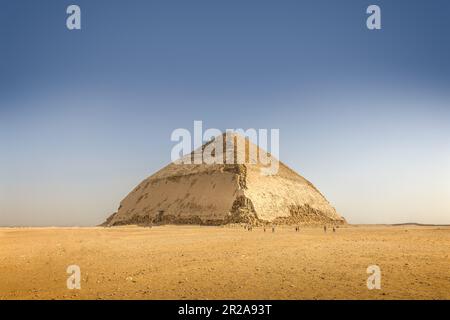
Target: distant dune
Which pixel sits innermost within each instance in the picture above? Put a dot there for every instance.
(420, 224)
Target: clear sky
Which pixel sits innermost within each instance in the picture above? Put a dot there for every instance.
(86, 115)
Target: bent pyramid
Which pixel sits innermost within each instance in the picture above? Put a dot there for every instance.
(216, 194)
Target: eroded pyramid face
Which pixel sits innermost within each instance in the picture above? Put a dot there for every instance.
(232, 148)
(227, 180)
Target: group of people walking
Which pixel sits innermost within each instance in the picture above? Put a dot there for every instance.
(325, 228)
(249, 227)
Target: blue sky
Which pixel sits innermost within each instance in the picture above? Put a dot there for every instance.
(86, 115)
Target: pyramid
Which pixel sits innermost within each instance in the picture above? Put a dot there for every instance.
(223, 193)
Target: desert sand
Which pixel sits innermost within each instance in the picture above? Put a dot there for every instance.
(206, 262)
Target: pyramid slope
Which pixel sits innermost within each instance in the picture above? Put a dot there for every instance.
(224, 193)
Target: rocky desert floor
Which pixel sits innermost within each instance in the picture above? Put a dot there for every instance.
(196, 262)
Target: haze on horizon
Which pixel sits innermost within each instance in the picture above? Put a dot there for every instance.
(86, 115)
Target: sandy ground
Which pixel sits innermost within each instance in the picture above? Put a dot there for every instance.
(191, 262)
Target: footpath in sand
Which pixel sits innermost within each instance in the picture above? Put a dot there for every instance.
(192, 262)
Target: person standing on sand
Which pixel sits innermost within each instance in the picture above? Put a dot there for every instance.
(150, 220)
(334, 229)
(325, 228)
